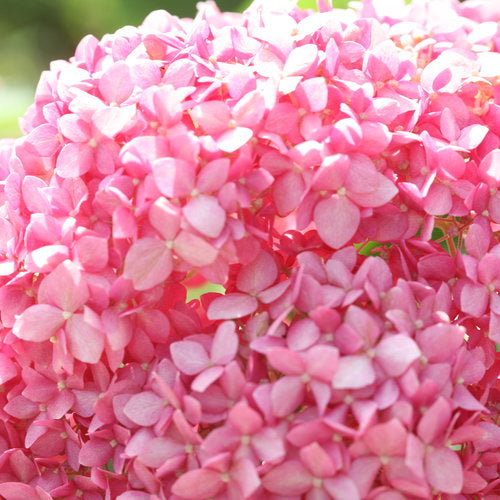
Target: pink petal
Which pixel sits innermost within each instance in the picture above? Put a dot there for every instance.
(189, 357)
(148, 263)
(245, 475)
(17, 491)
(65, 287)
(206, 378)
(111, 121)
(353, 372)
(165, 217)
(212, 116)
(337, 220)
(206, 215)
(198, 483)
(225, 344)
(396, 353)
(342, 487)
(321, 362)
(300, 60)
(317, 460)
(288, 478)
(438, 201)
(233, 139)
(440, 342)
(286, 361)
(287, 395)
(86, 343)
(232, 306)
(245, 419)
(434, 421)
(144, 408)
(22, 408)
(194, 250)
(38, 323)
(444, 470)
(386, 439)
(95, 452)
(258, 275)
(174, 177)
(8, 369)
(116, 84)
(74, 160)
(43, 139)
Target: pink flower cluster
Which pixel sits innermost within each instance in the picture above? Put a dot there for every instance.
(338, 172)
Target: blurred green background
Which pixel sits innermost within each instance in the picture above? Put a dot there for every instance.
(35, 32)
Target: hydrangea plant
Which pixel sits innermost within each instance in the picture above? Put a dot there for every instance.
(337, 173)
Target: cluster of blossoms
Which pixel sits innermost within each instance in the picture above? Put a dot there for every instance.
(338, 172)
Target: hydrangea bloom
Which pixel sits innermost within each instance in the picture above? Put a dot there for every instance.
(337, 172)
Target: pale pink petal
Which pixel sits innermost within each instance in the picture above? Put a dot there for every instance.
(300, 60)
(232, 306)
(472, 136)
(206, 378)
(111, 121)
(144, 408)
(174, 177)
(148, 263)
(43, 139)
(194, 250)
(258, 275)
(206, 215)
(342, 487)
(225, 344)
(189, 357)
(74, 160)
(440, 342)
(116, 84)
(86, 343)
(395, 354)
(213, 175)
(353, 372)
(444, 470)
(321, 362)
(198, 483)
(212, 116)
(337, 220)
(289, 478)
(38, 323)
(268, 445)
(232, 139)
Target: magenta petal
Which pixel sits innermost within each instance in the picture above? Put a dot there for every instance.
(38, 323)
(444, 470)
(206, 215)
(189, 357)
(288, 478)
(232, 306)
(148, 263)
(144, 408)
(86, 343)
(337, 220)
(198, 483)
